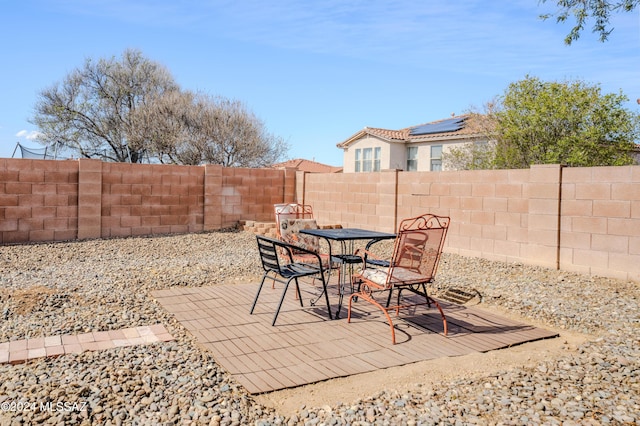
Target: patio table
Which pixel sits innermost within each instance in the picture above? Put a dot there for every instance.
(346, 237)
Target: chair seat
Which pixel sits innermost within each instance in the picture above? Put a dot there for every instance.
(378, 262)
(346, 258)
(298, 270)
(400, 276)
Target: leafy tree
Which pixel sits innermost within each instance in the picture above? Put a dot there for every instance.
(124, 110)
(473, 156)
(572, 123)
(477, 155)
(569, 123)
(584, 10)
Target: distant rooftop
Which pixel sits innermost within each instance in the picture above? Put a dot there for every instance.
(460, 126)
(307, 166)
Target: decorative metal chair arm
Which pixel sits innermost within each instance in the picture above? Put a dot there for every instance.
(364, 253)
(289, 247)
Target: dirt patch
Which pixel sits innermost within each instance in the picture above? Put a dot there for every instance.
(24, 301)
(425, 374)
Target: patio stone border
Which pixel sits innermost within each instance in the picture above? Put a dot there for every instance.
(20, 351)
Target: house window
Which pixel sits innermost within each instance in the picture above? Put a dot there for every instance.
(376, 159)
(412, 158)
(367, 160)
(436, 158)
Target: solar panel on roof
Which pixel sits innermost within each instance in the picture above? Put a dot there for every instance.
(448, 125)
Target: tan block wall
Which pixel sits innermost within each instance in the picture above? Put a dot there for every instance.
(585, 220)
(38, 200)
(146, 199)
(488, 209)
(601, 221)
(578, 219)
(249, 194)
(364, 200)
(89, 199)
(45, 200)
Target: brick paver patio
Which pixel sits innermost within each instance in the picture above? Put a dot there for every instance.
(306, 347)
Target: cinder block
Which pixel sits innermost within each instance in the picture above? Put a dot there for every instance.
(611, 208)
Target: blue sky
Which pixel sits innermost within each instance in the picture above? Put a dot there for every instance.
(315, 72)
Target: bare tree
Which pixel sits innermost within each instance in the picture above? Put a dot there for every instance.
(91, 109)
(187, 128)
(231, 135)
(164, 127)
(120, 110)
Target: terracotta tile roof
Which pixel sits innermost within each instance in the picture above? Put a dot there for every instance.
(474, 124)
(388, 134)
(307, 166)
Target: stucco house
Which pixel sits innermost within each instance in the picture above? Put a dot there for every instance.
(415, 148)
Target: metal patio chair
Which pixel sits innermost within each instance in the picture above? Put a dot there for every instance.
(290, 219)
(292, 211)
(416, 254)
(285, 269)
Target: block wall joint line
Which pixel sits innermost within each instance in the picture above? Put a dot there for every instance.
(559, 216)
(304, 186)
(395, 208)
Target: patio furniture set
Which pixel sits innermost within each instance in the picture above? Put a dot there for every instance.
(362, 275)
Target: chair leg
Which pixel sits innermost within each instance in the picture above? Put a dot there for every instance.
(349, 307)
(444, 319)
(326, 297)
(284, 292)
(264, 277)
(374, 302)
(424, 289)
(429, 300)
(298, 295)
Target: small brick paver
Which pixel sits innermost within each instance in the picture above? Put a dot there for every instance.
(20, 351)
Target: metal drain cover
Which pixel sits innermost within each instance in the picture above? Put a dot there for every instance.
(460, 296)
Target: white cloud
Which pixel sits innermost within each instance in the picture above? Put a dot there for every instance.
(29, 135)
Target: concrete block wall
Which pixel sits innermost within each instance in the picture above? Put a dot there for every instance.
(577, 219)
(600, 230)
(38, 200)
(46, 200)
(249, 194)
(363, 200)
(147, 199)
(489, 210)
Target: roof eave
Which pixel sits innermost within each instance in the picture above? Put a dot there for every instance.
(359, 135)
(446, 138)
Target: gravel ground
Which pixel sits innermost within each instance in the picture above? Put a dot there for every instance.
(76, 287)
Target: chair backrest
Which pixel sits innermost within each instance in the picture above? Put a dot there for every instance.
(291, 211)
(268, 250)
(290, 233)
(418, 247)
(277, 256)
